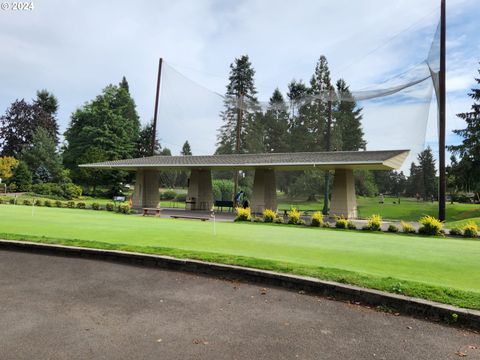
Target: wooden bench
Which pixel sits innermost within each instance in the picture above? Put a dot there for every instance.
(153, 211)
(202, 218)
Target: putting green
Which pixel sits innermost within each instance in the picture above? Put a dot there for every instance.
(386, 261)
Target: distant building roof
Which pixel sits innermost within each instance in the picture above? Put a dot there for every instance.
(373, 160)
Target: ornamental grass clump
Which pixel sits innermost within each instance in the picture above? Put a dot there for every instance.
(243, 214)
(407, 228)
(470, 230)
(430, 225)
(375, 222)
(293, 216)
(317, 219)
(269, 215)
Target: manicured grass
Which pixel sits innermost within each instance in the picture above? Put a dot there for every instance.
(409, 209)
(461, 223)
(445, 270)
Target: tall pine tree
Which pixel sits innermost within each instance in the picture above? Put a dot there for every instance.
(469, 149)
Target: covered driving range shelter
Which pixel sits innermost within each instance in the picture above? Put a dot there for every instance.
(264, 194)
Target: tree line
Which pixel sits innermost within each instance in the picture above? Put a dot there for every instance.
(109, 128)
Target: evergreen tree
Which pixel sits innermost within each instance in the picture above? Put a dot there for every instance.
(109, 124)
(42, 158)
(428, 171)
(22, 177)
(275, 122)
(469, 149)
(240, 103)
(348, 122)
(186, 149)
(144, 142)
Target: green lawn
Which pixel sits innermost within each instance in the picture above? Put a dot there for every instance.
(445, 270)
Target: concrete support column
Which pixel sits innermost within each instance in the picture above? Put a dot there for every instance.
(344, 202)
(200, 194)
(264, 194)
(146, 193)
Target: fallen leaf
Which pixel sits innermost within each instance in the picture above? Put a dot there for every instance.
(461, 354)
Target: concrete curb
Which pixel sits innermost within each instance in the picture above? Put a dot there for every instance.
(398, 303)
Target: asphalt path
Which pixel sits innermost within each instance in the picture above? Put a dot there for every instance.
(70, 308)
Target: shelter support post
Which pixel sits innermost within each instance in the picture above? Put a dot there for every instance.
(264, 195)
(344, 202)
(200, 194)
(146, 194)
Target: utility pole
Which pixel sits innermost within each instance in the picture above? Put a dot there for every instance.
(154, 125)
(238, 138)
(328, 148)
(442, 115)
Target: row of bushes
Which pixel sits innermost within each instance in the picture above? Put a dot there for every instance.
(124, 209)
(428, 224)
(173, 195)
(60, 191)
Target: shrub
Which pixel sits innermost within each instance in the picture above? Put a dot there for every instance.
(95, 206)
(109, 206)
(456, 231)
(407, 228)
(326, 224)
(351, 225)
(278, 220)
(38, 202)
(300, 222)
(181, 197)
(70, 204)
(375, 222)
(48, 203)
(257, 219)
(27, 202)
(341, 223)
(470, 229)
(366, 228)
(293, 216)
(430, 225)
(317, 219)
(124, 209)
(12, 201)
(58, 204)
(12, 187)
(168, 195)
(72, 191)
(243, 214)
(81, 205)
(269, 215)
(392, 228)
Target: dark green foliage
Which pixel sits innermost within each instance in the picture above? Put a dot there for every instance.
(42, 158)
(186, 149)
(423, 179)
(70, 204)
(467, 170)
(48, 203)
(63, 190)
(27, 202)
(365, 183)
(109, 206)
(351, 225)
(38, 202)
(22, 177)
(456, 231)
(58, 204)
(81, 205)
(222, 189)
(144, 142)
(181, 197)
(19, 124)
(123, 209)
(95, 206)
(168, 195)
(107, 128)
(241, 93)
(392, 228)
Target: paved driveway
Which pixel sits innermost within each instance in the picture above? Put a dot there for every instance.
(69, 308)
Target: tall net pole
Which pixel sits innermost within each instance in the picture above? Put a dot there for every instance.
(442, 116)
(327, 148)
(237, 142)
(157, 95)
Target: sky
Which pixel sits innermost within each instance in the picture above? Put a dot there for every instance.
(75, 48)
